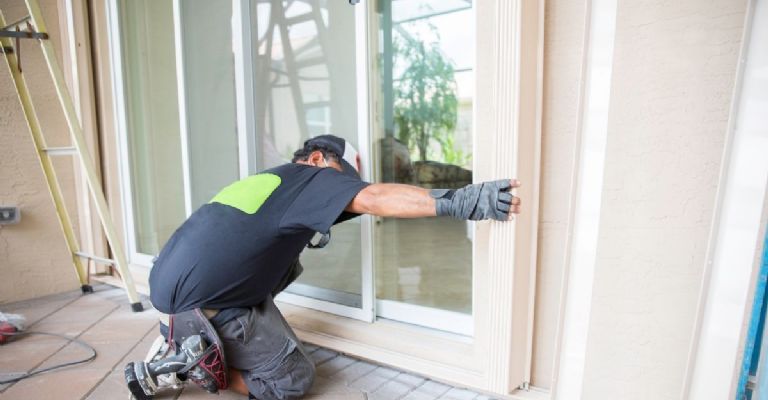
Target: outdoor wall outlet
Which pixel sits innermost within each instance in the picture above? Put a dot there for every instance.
(9, 215)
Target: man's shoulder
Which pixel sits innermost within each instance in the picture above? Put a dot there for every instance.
(290, 170)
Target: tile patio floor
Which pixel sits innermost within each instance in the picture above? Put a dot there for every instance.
(104, 320)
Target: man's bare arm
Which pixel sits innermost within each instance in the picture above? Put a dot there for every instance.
(488, 200)
(393, 200)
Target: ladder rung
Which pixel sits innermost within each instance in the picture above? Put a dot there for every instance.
(299, 19)
(17, 22)
(23, 34)
(97, 259)
(317, 104)
(310, 62)
(60, 151)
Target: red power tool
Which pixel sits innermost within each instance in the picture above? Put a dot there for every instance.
(6, 328)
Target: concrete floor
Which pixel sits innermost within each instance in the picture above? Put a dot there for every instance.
(104, 321)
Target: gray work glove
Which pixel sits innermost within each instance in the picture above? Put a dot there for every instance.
(487, 200)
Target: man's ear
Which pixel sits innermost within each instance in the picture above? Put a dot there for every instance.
(316, 158)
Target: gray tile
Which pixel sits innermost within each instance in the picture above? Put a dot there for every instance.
(375, 379)
(429, 390)
(334, 365)
(309, 347)
(320, 356)
(354, 371)
(458, 394)
(325, 386)
(397, 387)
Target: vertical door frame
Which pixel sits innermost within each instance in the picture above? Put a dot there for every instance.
(178, 30)
(243, 34)
(121, 123)
(735, 236)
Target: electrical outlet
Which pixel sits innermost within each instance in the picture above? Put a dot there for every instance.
(9, 215)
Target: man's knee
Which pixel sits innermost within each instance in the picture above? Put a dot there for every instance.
(291, 380)
(301, 375)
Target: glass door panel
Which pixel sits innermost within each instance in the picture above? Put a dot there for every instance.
(424, 137)
(304, 67)
(208, 94)
(152, 122)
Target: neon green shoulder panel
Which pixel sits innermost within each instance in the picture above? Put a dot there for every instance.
(247, 195)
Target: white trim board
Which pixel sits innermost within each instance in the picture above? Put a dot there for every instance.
(587, 184)
(713, 364)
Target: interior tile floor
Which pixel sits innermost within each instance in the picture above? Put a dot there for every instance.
(104, 320)
(423, 261)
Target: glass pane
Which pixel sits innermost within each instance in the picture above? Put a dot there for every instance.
(153, 121)
(305, 86)
(425, 138)
(210, 96)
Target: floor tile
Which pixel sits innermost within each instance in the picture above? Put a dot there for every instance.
(397, 387)
(64, 384)
(354, 371)
(195, 392)
(327, 386)
(375, 379)
(429, 390)
(334, 365)
(104, 320)
(320, 356)
(458, 394)
(337, 396)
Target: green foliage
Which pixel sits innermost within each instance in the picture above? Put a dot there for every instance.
(452, 155)
(425, 97)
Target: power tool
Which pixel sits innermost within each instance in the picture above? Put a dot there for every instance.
(196, 355)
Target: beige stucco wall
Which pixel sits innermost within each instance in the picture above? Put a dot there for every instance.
(34, 260)
(563, 53)
(674, 70)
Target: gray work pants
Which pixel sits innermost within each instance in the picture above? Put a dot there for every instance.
(260, 343)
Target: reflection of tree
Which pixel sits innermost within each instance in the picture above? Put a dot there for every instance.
(425, 96)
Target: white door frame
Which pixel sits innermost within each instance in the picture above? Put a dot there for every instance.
(121, 123)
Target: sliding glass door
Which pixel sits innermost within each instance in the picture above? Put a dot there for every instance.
(216, 90)
(176, 110)
(424, 87)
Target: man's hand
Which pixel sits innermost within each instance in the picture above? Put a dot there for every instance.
(487, 200)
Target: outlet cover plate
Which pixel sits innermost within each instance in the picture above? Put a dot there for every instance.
(9, 215)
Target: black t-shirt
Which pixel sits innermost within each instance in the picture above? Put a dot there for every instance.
(233, 251)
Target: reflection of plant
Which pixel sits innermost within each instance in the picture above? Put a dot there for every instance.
(452, 155)
(425, 96)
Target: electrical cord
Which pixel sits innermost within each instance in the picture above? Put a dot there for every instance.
(40, 371)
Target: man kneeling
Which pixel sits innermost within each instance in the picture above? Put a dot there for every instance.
(236, 253)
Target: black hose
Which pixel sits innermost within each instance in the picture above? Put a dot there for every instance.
(47, 369)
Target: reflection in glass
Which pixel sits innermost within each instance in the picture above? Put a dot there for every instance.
(305, 86)
(424, 138)
(209, 91)
(152, 116)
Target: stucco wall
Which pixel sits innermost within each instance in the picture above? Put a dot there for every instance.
(563, 53)
(674, 70)
(34, 260)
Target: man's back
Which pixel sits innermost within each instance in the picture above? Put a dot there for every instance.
(233, 251)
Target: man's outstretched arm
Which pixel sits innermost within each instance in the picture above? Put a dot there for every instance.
(487, 200)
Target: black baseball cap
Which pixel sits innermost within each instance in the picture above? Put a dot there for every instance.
(350, 158)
